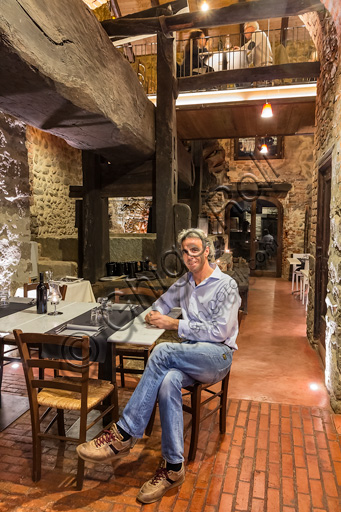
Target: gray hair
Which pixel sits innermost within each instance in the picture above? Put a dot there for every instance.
(197, 233)
(253, 24)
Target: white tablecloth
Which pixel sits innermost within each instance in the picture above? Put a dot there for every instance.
(80, 291)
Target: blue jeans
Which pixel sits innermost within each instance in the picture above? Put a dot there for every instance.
(170, 367)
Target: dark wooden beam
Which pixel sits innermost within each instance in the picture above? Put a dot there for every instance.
(284, 31)
(93, 238)
(230, 15)
(115, 8)
(135, 182)
(165, 9)
(233, 76)
(166, 186)
(195, 191)
(171, 7)
(52, 78)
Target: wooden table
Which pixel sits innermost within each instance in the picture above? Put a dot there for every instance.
(240, 275)
(28, 320)
(294, 261)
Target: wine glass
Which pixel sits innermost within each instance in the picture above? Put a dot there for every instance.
(54, 297)
(49, 275)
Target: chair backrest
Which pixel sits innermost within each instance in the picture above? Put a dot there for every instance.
(79, 367)
(304, 257)
(33, 286)
(240, 317)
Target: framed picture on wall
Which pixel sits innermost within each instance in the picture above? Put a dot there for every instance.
(258, 148)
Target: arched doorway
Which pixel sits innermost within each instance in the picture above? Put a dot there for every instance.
(255, 231)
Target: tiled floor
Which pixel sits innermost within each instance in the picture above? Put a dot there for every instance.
(281, 451)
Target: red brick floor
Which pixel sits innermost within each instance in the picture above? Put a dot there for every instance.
(274, 456)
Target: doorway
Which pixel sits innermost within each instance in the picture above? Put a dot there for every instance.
(254, 229)
(322, 247)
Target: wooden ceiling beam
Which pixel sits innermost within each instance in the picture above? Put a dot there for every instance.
(115, 8)
(233, 76)
(230, 15)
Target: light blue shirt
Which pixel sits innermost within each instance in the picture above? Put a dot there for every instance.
(209, 310)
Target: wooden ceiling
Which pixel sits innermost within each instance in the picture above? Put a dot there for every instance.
(294, 116)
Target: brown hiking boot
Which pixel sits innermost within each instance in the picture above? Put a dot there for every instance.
(163, 480)
(108, 446)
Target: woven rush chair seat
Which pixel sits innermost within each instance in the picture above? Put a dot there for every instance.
(71, 400)
(72, 392)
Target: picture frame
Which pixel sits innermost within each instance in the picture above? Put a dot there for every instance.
(248, 148)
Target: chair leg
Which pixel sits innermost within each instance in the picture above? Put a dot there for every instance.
(122, 371)
(150, 425)
(36, 447)
(2, 348)
(60, 422)
(80, 474)
(195, 403)
(223, 403)
(82, 439)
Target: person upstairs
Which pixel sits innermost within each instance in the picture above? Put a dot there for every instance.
(197, 42)
(257, 46)
(209, 302)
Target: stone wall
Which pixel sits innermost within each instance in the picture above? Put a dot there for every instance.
(54, 166)
(327, 139)
(14, 204)
(129, 214)
(295, 168)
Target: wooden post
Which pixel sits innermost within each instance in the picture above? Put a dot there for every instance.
(93, 234)
(166, 186)
(198, 162)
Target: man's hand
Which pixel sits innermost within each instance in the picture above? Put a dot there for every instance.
(162, 321)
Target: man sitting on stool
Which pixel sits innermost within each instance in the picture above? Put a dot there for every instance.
(209, 302)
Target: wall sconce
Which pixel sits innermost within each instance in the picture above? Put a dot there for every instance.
(204, 6)
(267, 110)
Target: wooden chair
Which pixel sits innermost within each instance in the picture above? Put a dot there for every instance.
(33, 286)
(5, 357)
(133, 358)
(76, 391)
(195, 392)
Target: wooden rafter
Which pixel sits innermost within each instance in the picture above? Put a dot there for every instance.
(230, 15)
(115, 8)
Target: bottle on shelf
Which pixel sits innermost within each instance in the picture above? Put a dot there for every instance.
(41, 295)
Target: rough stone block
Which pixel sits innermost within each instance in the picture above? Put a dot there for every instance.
(60, 268)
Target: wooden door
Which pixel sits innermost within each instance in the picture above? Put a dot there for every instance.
(322, 246)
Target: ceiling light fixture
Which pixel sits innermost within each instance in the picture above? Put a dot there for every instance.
(204, 6)
(267, 110)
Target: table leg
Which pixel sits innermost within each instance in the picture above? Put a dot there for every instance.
(107, 371)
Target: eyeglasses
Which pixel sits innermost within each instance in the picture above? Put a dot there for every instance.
(194, 251)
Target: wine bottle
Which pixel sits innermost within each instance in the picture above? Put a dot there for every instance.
(41, 295)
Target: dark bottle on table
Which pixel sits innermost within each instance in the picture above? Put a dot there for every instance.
(41, 295)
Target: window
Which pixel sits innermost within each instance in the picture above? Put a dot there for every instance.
(249, 147)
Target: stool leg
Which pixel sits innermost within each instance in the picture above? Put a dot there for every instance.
(195, 400)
